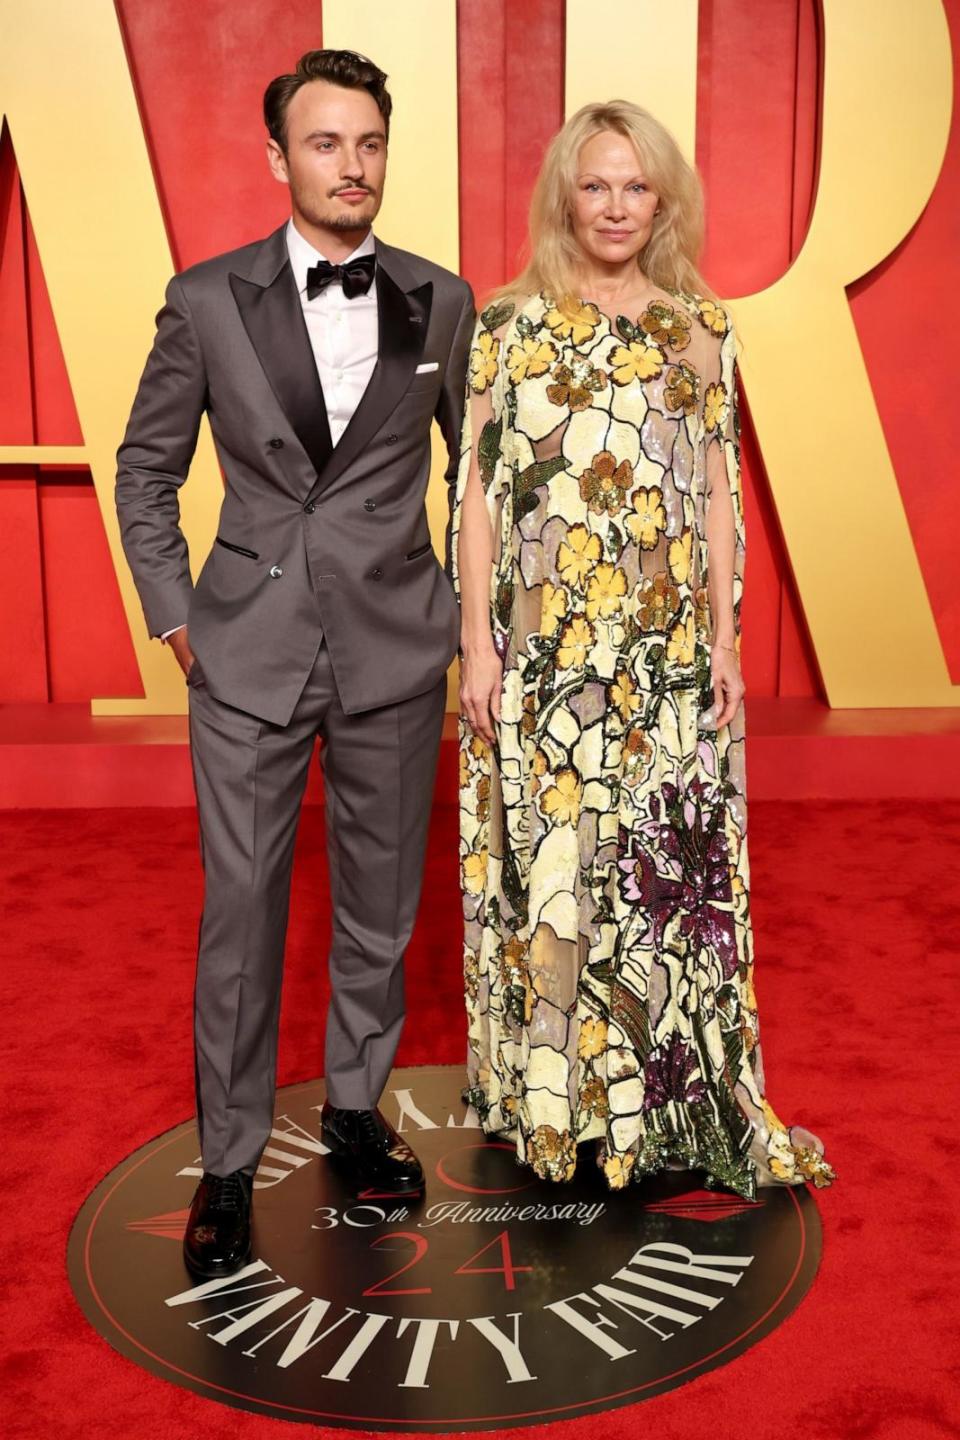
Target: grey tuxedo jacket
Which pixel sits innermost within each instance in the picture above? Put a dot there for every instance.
(315, 541)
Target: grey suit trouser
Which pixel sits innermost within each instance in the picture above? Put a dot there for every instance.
(379, 769)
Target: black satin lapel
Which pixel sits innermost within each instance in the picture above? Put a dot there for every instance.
(273, 318)
(402, 321)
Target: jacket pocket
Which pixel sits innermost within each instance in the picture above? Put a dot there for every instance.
(420, 550)
(238, 549)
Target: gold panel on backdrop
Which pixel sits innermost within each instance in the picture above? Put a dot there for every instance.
(668, 91)
(886, 117)
(887, 103)
(90, 191)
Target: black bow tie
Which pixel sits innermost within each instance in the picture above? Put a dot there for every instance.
(356, 276)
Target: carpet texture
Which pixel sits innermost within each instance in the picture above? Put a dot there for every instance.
(857, 917)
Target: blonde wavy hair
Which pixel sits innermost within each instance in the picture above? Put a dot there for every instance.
(669, 257)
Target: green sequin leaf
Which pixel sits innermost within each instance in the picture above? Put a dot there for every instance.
(503, 606)
(496, 314)
(488, 450)
(525, 485)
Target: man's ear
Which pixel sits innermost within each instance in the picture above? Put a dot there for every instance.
(277, 162)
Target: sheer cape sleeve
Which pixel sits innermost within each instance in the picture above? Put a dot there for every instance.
(722, 420)
(482, 451)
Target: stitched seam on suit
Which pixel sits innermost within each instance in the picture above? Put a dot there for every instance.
(241, 974)
(398, 841)
(196, 974)
(196, 334)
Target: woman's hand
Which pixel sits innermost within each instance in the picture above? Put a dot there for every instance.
(728, 686)
(481, 678)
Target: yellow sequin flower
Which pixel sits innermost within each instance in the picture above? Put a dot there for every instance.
(625, 696)
(680, 644)
(475, 870)
(617, 1169)
(562, 801)
(483, 361)
(678, 557)
(578, 554)
(575, 640)
(532, 357)
(578, 326)
(553, 607)
(712, 315)
(636, 361)
(592, 1039)
(714, 402)
(648, 523)
(605, 589)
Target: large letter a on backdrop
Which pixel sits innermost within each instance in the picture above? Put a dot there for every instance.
(89, 187)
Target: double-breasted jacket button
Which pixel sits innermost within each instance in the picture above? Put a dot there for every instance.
(392, 439)
(276, 443)
(276, 571)
(369, 504)
(376, 574)
(309, 508)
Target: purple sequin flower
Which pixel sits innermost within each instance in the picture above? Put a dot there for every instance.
(678, 865)
(667, 1074)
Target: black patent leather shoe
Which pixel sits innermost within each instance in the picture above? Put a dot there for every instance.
(367, 1144)
(217, 1237)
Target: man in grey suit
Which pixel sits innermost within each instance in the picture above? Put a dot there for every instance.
(321, 356)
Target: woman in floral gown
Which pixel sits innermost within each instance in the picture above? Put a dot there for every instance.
(597, 553)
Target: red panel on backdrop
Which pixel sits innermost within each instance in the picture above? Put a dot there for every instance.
(90, 652)
(199, 70)
(21, 565)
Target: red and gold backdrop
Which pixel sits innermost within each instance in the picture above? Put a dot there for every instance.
(864, 360)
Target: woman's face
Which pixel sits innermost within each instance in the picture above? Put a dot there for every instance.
(613, 204)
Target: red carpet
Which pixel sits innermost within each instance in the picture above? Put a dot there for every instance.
(857, 910)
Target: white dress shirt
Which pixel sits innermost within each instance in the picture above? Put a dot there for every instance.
(343, 335)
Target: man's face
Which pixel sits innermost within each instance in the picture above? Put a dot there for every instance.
(336, 156)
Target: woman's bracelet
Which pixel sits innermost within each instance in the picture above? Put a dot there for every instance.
(718, 645)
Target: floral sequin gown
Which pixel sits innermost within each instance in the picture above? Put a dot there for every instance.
(608, 962)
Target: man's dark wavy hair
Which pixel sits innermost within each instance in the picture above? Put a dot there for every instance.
(339, 67)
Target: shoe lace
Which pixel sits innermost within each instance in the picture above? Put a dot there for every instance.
(226, 1192)
(369, 1129)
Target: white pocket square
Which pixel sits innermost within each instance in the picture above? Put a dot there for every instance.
(431, 365)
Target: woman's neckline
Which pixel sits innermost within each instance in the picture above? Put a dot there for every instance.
(669, 297)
